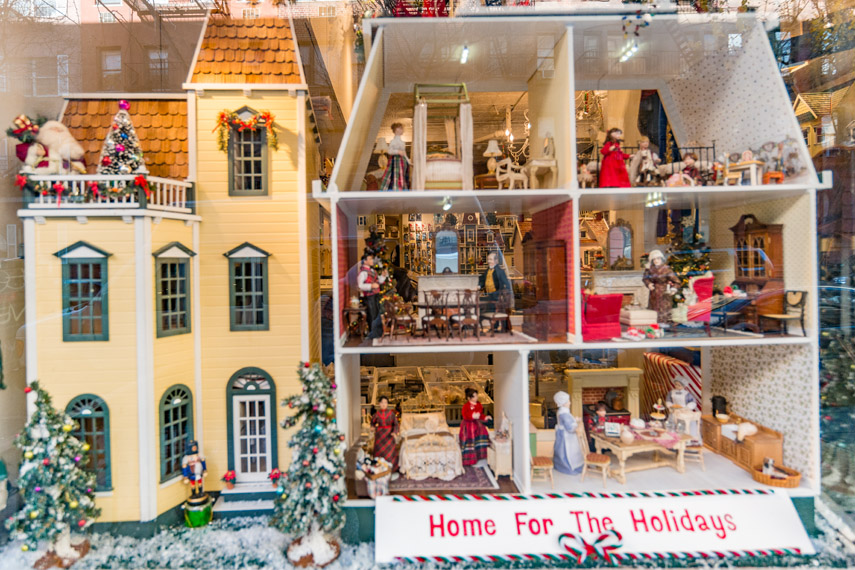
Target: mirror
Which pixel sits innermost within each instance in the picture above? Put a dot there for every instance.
(446, 252)
(620, 246)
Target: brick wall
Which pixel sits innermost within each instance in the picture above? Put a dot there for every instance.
(594, 395)
(557, 223)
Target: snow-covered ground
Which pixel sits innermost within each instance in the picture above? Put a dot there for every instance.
(249, 544)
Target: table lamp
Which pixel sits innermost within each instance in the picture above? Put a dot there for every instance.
(380, 148)
(492, 152)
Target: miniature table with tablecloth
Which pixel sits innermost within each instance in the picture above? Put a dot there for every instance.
(623, 451)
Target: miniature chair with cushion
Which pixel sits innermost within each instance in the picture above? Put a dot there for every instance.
(593, 460)
(794, 310)
(507, 171)
(501, 313)
(541, 468)
(700, 311)
(601, 316)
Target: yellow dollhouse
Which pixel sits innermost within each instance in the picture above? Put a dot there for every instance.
(181, 312)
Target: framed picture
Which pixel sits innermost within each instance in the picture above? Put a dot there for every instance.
(360, 221)
(412, 218)
(393, 232)
(438, 219)
(424, 236)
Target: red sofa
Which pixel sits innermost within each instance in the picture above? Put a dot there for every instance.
(601, 316)
(701, 310)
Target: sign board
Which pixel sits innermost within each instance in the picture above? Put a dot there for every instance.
(620, 526)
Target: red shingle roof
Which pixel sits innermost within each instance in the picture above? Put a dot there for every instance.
(160, 124)
(247, 51)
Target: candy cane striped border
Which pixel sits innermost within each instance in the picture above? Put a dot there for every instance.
(536, 496)
(617, 555)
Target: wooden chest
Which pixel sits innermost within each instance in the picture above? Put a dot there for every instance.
(749, 453)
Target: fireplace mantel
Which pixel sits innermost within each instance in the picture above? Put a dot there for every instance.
(627, 378)
(605, 282)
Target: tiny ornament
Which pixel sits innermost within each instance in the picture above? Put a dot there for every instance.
(81, 523)
(124, 105)
(125, 169)
(120, 147)
(305, 463)
(315, 408)
(280, 490)
(34, 514)
(330, 412)
(28, 454)
(306, 365)
(335, 477)
(335, 498)
(314, 450)
(77, 459)
(73, 504)
(86, 447)
(25, 548)
(341, 438)
(27, 390)
(38, 489)
(333, 386)
(115, 126)
(46, 461)
(337, 451)
(66, 428)
(308, 485)
(88, 489)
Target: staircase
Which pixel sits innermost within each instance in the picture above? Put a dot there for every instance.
(246, 499)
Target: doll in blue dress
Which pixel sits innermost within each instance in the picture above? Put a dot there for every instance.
(567, 456)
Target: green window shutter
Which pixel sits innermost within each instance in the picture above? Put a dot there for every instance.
(248, 284)
(176, 429)
(92, 418)
(173, 296)
(85, 315)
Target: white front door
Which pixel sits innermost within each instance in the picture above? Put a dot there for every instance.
(251, 437)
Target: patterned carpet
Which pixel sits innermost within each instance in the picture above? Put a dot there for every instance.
(473, 479)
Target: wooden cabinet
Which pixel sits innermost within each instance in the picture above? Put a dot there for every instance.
(749, 453)
(759, 265)
(545, 296)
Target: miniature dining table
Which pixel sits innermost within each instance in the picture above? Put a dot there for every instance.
(623, 451)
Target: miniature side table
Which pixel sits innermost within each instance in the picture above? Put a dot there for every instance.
(754, 168)
(533, 168)
(775, 175)
(488, 180)
(356, 315)
(500, 457)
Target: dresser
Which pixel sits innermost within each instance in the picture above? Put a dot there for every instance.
(749, 453)
(546, 299)
(759, 266)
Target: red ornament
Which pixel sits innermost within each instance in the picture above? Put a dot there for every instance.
(305, 365)
(335, 477)
(106, 161)
(308, 485)
(124, 105)
(46, 461)
(27, 390)
(341, 438)
(20, 181)
(81, 523)
(314, 450)
(115, 126)
(305, 463)
(335, 498)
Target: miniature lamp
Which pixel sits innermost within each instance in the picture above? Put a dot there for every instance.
(381, 148)
(492, 152)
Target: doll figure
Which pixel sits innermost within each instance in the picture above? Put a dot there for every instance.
(385, 424)
(567, 455)
(690, 168)
(601, 416)
(474, 439)
(643, 165)
(397, 174)
(193, 468)
(770, 154)
(657, 277)
(679, 397)
(613, 172)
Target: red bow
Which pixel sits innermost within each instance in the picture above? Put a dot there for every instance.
(21, 181)
(94, 188)
(143, 183)
(59, 189)
(603, 547)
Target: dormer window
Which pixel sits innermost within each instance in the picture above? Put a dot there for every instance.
(246, 135)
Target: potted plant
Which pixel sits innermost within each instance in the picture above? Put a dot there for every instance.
(229, 479)
(274, 477)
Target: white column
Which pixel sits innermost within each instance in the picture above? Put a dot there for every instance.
(302, 227)
(147, 428)
(31, 318)
(196, 284)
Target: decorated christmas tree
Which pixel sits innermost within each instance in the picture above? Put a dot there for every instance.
(59, 495)
(311, 494)
(121, 153)
(837, 398)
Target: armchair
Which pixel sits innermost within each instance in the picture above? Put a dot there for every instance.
(507, 171)
(601, 316)
(701, 309)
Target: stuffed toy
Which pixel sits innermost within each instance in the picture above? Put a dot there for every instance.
(63, 152)
(35, 161)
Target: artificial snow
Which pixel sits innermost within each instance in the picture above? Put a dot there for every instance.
(249, 544)
(315, 545)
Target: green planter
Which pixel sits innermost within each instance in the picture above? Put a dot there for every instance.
(198, 512)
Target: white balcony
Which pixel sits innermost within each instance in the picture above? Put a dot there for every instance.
(113, 191)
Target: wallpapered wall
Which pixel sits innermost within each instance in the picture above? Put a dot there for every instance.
(771, 385)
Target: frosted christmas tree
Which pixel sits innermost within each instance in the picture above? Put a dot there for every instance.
(121, 153)
(311, 494)
(59, 495)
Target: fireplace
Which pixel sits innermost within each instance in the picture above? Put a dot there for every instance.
(598, 381)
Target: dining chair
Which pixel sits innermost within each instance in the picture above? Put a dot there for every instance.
(468, 313)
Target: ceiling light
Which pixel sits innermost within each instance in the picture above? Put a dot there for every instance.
(507, 132)
(446, 203)
(654, 199)
(464, 55)
(628, 52)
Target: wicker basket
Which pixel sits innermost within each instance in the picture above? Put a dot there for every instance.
(793, 478)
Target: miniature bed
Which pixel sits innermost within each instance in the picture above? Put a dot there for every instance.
(449, 168)
(428, 448)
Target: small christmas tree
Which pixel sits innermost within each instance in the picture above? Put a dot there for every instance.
(59, 495)
(121, 153)
(311, 494)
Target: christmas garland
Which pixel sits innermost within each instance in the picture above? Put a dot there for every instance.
(228, 120)
(93, 189)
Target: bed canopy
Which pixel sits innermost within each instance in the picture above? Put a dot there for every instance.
(452, 168)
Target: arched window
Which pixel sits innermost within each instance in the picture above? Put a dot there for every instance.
(176, 429)
(93, 426)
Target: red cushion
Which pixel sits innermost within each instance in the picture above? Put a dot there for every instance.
(601, 316)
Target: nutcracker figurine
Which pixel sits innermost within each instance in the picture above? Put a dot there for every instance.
(193, 468)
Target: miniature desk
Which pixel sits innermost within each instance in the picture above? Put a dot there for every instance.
(754, 169)
(623, 451)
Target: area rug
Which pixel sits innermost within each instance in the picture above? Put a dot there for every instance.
(473, 479)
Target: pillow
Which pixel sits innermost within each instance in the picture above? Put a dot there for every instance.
(439, 155)
(419, 421)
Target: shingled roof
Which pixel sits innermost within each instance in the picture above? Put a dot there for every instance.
(160, 124)
(247, 51)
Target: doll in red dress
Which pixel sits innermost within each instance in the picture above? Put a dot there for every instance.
(613, 172)
(385, 423)
(474, 439)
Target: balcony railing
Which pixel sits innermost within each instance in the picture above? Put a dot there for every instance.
(111, 191)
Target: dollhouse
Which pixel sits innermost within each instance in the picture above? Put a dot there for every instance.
(580, 318)
(179, 312)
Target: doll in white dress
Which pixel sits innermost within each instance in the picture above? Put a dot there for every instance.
(567, 456)
(642, 167)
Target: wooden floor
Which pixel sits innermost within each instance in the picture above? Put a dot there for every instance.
(506, 485)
